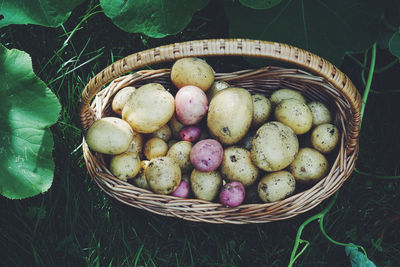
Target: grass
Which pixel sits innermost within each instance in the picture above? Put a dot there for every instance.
(76, 224)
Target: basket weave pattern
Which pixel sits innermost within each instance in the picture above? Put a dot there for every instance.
(327, 84)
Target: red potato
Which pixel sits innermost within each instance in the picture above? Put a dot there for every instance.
(182, 190)
(206, 155)
(191, 105)
(190, 133)
(232, 194)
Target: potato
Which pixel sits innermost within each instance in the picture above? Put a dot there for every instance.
(230, 115)
(163, 175)
(120, 99)
(282, 94)
(261, 110)
(125, 165)
(155, 147)
(180, 152)
(190, 133)
(163, 133)
(140, 179)
(309, 166)
(176, 126)
(149, 108)
(320, 113)
(276, 186)
(109, 135)
(325, 137)
(232, 194)
(205, 185)
(182, 190)
(295, 114)
(206, 155)
(237, 166)
(192, 71)
(274, 146)
(215, 88)
(137, 144)
(191, 104)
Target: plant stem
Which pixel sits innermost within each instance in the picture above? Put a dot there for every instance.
(368, 83)
(380, 70)
(298, 240)
(364, 102)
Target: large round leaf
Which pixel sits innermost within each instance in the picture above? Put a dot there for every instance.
(156, 18)
(328, 28)
(394, 44)
(50, 13)
(27, 109)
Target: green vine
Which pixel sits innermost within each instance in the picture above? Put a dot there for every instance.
(367, 90)
(368, 83)
(320, 216)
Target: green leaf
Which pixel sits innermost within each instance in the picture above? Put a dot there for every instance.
(260, 4)
(50, 13)
(156, 18)
(27, 109)
(394, 44)
(357, 258)
(327, 28)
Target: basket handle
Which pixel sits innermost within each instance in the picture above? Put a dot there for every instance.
(228, 47)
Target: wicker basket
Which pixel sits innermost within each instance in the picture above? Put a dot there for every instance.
(326, 84)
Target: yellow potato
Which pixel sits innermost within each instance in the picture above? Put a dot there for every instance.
(282, 94)
(137, 144)
(149, 108)
(325, 137)
(192, 71)
(215, 88)
(261, 110)
(205, 185)
(120, 99)
(230, 114)
(155, 147)
(125, 166)
(109, 135)
(320, 113)
(163, 133)
(295, 114)
(276, 186)
(274, 146)
(237, 166)
(180, 152)
(163, 175)
(309, 166)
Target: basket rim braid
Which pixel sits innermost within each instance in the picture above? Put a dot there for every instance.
(316, 78)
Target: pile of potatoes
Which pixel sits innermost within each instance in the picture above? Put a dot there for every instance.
(213, 141)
